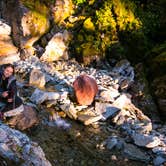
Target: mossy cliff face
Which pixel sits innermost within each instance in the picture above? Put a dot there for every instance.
(97, 26)
(62, 9)
(103, 25)
(34, 22)
(156, 64)
(156, 60)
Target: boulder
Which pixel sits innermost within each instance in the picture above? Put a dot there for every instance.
(62, 10)
(34, 25)
(145, 140)
(37, 78)
(85, 89)
(25, 119)
(40, 96)
(17, 149)
(8, 52)
(29, 21)
(57, 47)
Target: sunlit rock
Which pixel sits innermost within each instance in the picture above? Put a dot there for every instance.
(89, 119)
(34, 25)
(4, 28)
(57, 47)
(37, 78)
(70, 110)
(108, 95)
(130, 117)
(29, 21)
(8, 52)
(89, 116)
(61, 10)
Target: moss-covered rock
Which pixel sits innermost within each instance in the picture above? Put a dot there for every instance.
(125, 15)
(34, 24)
(156, 60)
(159, 90)
(62, 10)
(156, 65)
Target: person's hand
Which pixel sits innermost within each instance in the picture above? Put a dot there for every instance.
(9, 100)
(5, 94)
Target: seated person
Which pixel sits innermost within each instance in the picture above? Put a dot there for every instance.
(8, 90)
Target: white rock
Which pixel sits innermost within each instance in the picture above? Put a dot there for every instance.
(38, 96)
(4, 28)
(37, 78)
(56, 48)
(146, 140)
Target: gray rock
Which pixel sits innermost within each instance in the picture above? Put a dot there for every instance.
(159, 150)
(106, 110)
(111, 143)
(133, 153)
(3, 135)
(89, 119)
(123, 67)
(18, 148)
(145, 140)
(108, 95)
(158, 161)
(40, 96)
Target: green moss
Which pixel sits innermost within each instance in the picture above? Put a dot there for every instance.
(161, 58)
(38, 23)
(37, 6)
(89, 38)
(79, 2)
(157, 60)
(115, 21)
(62, 11)
(105, 20)
(89, 49)
(159, 49)
(124, 11)
(80, 38)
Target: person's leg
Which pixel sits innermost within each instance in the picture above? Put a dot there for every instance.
(2, 107)
(18, 102)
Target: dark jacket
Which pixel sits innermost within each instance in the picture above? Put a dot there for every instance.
(8, 85)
